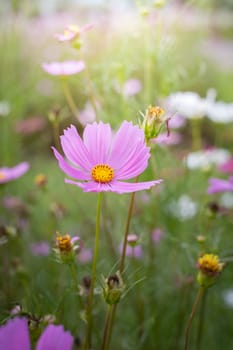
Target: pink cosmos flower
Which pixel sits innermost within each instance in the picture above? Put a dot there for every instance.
(9, 174)
(157, 235)
(72, 32)
(163, 139)
(219, 185)
(64, 68)
(87, 115)
(132, 87)
(85, 255)
(227, 167)
(177, 121)
(132, 252)
(40, 248)
(101, 161)
(15, 336)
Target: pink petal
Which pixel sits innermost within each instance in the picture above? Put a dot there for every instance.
(135, 166)
(55, 338)
(91, 186)
(219, 185)
(15, 172)
(127, 187)
(14, 335)
(64, 68)
(70, 170)
(128, 141)
(97, 138)
(75, 150)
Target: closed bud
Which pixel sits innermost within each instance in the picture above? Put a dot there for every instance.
(113, 289)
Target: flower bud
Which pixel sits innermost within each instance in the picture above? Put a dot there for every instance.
(66, 248)
(209, 269)
(113, 288)
(152, 122)
(40, 180)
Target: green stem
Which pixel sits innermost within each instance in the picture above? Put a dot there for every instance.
(194, 309)
(139, 303)
(201, 320)
(106, 326)
(69, 98)
(122, 262)
(55, 126)
(196, 134)
(73, 271)
(93, 276)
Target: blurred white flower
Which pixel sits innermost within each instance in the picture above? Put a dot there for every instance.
(4, 108)
(204, 159)
(228, 297)
(184, 208)
(226, 200)
(220, 112)
(188, 104)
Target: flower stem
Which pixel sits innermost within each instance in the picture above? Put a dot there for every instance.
(106, 326)
(194, 309)
(69, 98)
(196, 134)
(201, 320)
(75, 281)
(122, 262)
(93, 276)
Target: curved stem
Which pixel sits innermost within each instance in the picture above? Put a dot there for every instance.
(194, 309)
(93, 276)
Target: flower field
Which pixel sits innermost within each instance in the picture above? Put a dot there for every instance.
(116, 175)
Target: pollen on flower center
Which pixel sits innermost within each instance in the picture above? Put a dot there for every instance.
(2, 175)
(64, 243)
(155, 112)
(209, 264)
(102, 173)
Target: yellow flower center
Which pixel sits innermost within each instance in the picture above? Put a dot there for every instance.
(209, 263)
(102, 173)
(2, 175)
(64, 243)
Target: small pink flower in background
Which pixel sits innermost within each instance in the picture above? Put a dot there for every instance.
(227, 167)
(132, 252)
(30, 125)
(177, 121)
(9, 174)
(173, 138)
(219, 185)
(72, 32)
(64, 68)
(132, 239)
(85, 255)
(87, 115)
(157, 235)
(40, 248)
(14, 335)
(101, 161)
(132, 87)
